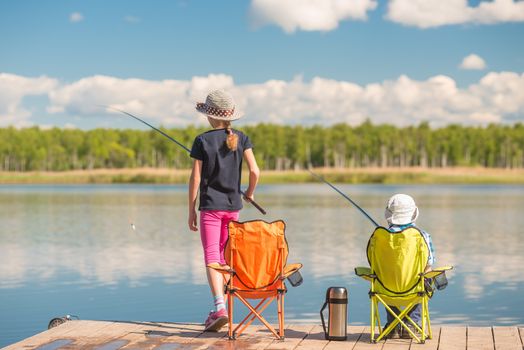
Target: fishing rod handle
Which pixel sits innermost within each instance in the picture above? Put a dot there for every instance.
(255, 204)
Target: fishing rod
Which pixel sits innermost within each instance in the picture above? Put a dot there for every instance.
(345, 196)
(255, 204)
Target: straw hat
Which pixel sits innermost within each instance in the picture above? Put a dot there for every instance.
(219, 105)
(401, 210)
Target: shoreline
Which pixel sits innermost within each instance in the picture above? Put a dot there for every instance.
(411, 175)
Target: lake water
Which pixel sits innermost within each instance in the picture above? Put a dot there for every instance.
(72, 250)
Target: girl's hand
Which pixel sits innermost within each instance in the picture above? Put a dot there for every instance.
(249, 197)
(192, 220)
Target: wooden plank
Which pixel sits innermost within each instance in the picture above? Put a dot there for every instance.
(293, 336)
(452, 338)
(45, 336)
(397, 344)
(148, 335)
(507, 338)
(364, 343)
(108, 337)
(92, 335)
(135, 335)
(480, 338)
(69, 330)
(314, 340)
(355, 334)
(208, 340)
(76, 337)
(254, 337)
(89, 334)
(260, 336)
(430, 344)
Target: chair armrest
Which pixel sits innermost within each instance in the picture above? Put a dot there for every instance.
(437, 271)
(291, 268)
(364, 272)
(223, 269)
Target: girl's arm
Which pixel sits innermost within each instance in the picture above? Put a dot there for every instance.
(254, 172)
(194, 184)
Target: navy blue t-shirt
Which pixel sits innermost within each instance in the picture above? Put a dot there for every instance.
(221, 169)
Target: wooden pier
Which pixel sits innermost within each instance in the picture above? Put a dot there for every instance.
(112, 335)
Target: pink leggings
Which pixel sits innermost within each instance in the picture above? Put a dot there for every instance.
(213, 233)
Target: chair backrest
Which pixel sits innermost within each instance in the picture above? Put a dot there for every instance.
(257, 251)
(398, 259)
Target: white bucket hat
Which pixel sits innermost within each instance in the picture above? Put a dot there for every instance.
(401, 210)
(219, 105)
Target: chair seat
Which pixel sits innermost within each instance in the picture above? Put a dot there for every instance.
(257, 294)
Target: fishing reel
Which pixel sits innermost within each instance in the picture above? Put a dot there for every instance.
(57, 321)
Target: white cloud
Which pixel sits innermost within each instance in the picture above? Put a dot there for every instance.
(403, 101)
(308, 15)
(76, 17)
(435, 13)
(497, 97)
(473, 62)
(169, 101)
(13, 89)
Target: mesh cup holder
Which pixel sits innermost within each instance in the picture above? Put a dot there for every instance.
(295, 279)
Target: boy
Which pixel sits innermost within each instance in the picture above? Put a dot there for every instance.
(401, 213)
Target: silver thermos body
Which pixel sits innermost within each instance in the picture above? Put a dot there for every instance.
(337, 300)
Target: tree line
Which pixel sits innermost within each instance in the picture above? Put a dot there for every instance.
(276, 147)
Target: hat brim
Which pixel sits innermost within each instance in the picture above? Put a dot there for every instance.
(201, 108)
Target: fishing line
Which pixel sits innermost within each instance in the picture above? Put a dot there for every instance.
(345, 196)
(255, 204)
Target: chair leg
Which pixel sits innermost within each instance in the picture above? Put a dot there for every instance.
(255, 312)
(372, 317)
(377, 317)
(430, 334)
(261, 306)
(424, 311)
(281, 315)
(230, 300)
(399, 320)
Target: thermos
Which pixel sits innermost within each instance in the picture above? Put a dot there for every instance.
(337, 299)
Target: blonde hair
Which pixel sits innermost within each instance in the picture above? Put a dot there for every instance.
(232, 138)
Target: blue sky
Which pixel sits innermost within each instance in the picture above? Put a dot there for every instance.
(289, 64)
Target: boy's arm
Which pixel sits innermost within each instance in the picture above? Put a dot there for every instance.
(431, 257)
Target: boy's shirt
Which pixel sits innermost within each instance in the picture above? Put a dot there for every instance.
(427, 238)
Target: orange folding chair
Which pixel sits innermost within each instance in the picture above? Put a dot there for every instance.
(256, 253)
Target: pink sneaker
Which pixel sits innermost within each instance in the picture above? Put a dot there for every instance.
(216, 320)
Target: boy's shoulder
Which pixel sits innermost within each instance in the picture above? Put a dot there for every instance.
(399, 228)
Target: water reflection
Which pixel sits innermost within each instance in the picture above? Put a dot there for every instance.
(81, 237)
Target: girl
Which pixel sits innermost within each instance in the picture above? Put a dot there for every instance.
(217, 168)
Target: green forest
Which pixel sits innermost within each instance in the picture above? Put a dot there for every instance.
(276, 147)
